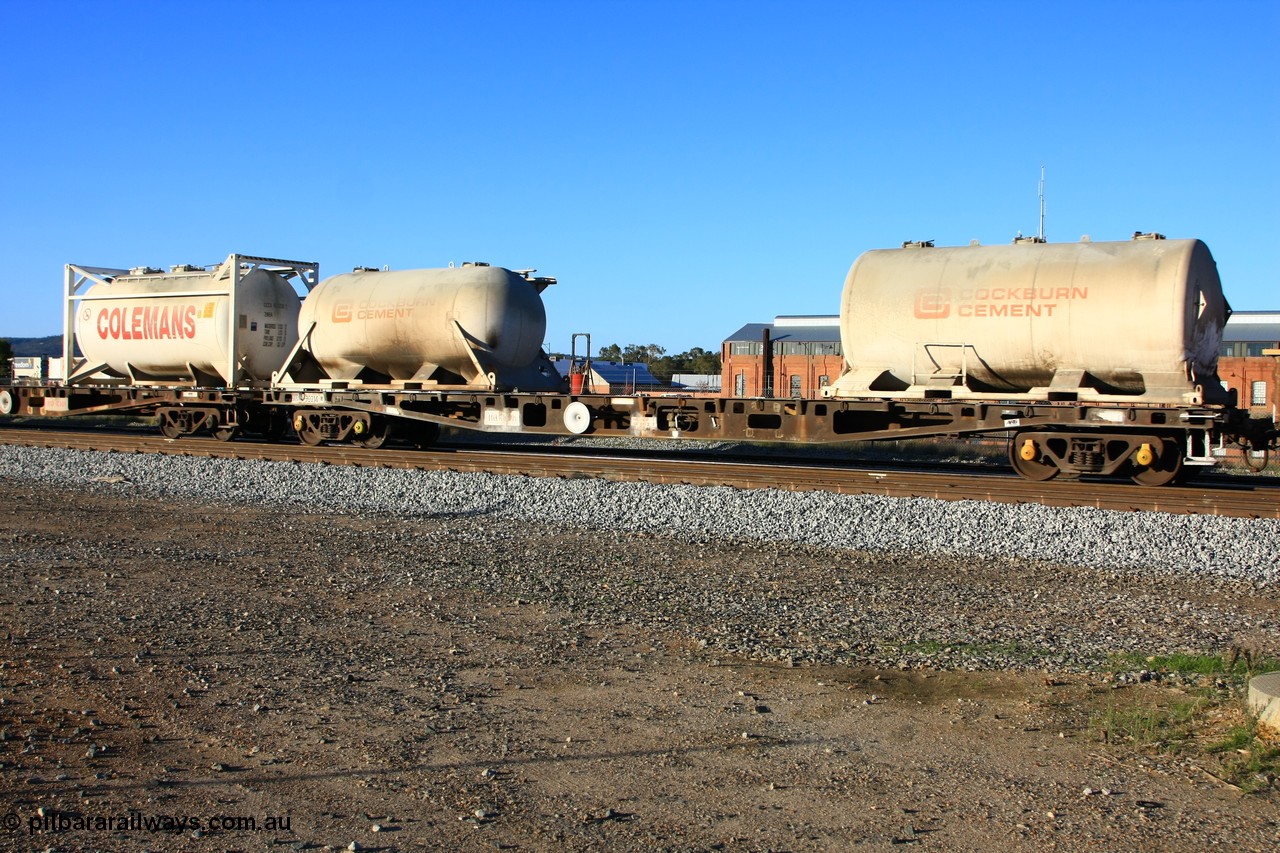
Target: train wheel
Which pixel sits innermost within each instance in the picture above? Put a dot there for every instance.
(226, 433)
(1033, 468)
(1163, 470)
(169, 429)
(1255, 463)
(306, 434)
(378, 434)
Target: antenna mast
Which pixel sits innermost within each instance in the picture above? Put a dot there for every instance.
(1041, 235)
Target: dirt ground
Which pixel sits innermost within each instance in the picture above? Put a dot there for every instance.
(228, 678)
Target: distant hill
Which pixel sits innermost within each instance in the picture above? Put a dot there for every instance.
(52, 346)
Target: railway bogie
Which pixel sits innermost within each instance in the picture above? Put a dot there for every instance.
(177, 421)
(1149, 459)
(316, 426)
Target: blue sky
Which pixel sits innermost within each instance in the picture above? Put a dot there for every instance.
(682, 167)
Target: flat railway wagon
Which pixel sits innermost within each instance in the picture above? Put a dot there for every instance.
(1091, 358)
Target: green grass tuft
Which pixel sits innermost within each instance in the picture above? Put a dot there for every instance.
(1193, 663)
(1208, 726)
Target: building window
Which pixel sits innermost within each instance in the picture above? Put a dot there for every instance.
(1259, 394)
(1255, 349)
(795, 385)
(746, 348)
(740, 384)
(1228, 350)
(824, 381)
(809, 348)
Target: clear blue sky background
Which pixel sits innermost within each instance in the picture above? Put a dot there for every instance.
(682, 167)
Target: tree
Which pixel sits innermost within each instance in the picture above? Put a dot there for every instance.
(646, 353)
(661, 365)
(6, 353)
(698, 360)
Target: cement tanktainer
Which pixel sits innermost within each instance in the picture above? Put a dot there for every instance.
(474, 326)
(1141, 319)
(150, 326)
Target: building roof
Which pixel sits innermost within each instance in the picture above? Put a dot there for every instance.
(697, 381)
(816, 327)
(1253, 327)
(807, 320)
(624, 373)
(632, 373)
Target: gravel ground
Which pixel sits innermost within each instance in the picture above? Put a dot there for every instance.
(1208, 546)
(481, 662)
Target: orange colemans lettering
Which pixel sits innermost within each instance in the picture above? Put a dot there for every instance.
(147, 323)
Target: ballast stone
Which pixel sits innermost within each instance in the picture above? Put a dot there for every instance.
(1204, 546)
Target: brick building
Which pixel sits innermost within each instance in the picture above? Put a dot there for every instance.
(1244, 364)
(794, 356)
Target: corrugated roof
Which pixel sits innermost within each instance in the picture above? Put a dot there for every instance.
(754, 331)
(806, 320)
(750, 332)
(806, 333)
(1253, 327)
(1258, 334)
(697, 381)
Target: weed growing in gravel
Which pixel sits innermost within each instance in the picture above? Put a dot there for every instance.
(1167, 729)
(1246, 757)
(1208, 726)
(1235, 666)
(1016, 652)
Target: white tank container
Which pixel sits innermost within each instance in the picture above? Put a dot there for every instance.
(153, 326)
(1141, 318)
(440, 325)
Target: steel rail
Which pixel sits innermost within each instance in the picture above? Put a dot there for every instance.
(1244, 499)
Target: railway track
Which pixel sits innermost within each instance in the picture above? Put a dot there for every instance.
(1242, 497)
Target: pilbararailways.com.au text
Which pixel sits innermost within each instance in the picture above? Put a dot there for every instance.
(56, 822)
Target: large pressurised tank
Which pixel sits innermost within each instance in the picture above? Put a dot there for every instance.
(150, 325)
(1139, 318)
(454, 326)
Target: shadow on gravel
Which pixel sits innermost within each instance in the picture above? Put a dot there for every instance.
(237, 777)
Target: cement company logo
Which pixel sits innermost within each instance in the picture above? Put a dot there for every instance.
(342, 312)
(1026, 301)
(933, 305)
